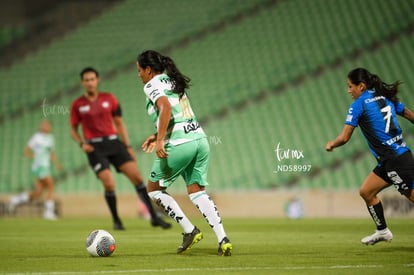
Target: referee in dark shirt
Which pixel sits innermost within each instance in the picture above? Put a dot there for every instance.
(99, 114)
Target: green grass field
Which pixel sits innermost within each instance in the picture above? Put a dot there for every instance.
(260, 246)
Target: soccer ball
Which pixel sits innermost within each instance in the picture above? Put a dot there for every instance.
(100, 243)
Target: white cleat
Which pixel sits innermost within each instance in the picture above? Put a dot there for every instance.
(50, 216)
(11, 208)
(379, 236)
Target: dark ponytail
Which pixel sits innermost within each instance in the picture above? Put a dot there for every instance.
(164, 64)
(373, 82)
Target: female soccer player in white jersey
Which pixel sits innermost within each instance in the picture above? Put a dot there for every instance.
(375, 109)
(40, 149)
(181, 147)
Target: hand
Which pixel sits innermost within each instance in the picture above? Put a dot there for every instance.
(149, 144)
(329, 146)
(87, 148)
(160, 150)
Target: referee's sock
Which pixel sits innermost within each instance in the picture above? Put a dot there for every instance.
(110, 198)
(143, 195)
(377, 214)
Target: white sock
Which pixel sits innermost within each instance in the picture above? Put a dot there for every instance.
(19, 199)
(171, 207)
(50, 207)
(24, 197)
(209, 211)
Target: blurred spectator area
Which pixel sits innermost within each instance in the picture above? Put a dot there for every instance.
(36, 23)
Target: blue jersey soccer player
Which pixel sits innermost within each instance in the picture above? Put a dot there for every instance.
(375, 109)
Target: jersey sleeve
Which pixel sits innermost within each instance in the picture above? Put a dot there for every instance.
(399, 108)
(354, 113)
(154, 90)
(116, 107)
(32, 142)
(74, 114)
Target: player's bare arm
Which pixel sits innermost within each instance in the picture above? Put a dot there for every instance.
(341, 139)
(123, 133)
(164, 108)
(55, 161)
(28, 152)
(408, 114)
(86, 147)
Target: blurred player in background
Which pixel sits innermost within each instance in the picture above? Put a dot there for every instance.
(100, 114)
(181, 147)
(375, 109)
(40, 149)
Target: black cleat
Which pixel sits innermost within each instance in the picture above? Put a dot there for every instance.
(189, 239)
(118, 226)
(160, 222)
(225, 247)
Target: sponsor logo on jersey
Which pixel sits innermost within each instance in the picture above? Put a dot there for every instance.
(154, 93)
(369, 100)
(191, 126)
(84, 109)
(105, 104)
(394, 139)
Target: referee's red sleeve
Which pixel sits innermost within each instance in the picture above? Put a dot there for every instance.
(74, 115)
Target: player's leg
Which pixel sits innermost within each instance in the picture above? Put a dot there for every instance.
(25, 196)
(108, 182)
(163, 173)
(195, 175)
(191, 233)
(131, 171)
(99, 162)
(48, 184)
(402, 171)
(208, 209)
(37, 191)
(371, 186)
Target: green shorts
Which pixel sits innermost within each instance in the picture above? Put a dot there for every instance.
(189, 160)
(41, 172)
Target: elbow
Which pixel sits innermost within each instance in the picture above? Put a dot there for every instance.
(166, 109)
(341, 140)
(345, 139)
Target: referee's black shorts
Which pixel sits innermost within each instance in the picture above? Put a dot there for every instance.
(107, 150)
(399, 172)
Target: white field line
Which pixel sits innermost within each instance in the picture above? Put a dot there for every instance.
(166, 270)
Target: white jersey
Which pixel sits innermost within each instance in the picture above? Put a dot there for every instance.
(42, 145)
(183, 126)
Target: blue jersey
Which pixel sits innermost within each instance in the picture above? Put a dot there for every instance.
(377, 118)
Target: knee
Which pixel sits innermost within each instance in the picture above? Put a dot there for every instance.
(194, 188)
(153, 186)
(35, 194)
(365, 195)
(134, 176)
